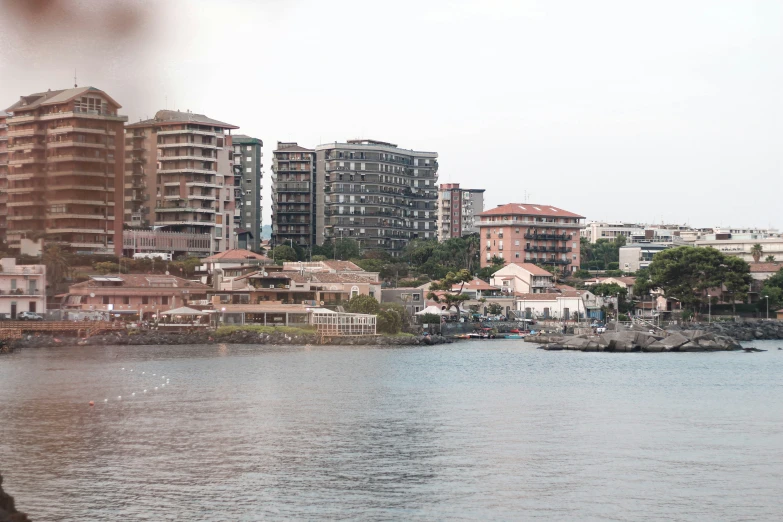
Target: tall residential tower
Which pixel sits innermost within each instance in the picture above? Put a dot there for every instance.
(376, 193)
(457, 210)
(293, 207)
(65, 170)
(248, 176)
(181, 164)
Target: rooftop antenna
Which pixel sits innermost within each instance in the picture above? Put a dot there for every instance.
(75, 85)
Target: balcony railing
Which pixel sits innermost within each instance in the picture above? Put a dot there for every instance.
(549, 237)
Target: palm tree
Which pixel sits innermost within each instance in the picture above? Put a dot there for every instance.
(56, 265)
(756, 251)
(770, 259)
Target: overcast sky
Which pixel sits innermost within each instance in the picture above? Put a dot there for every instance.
(640, 111)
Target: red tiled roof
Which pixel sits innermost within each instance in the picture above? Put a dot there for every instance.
(341, 266)
(533, 269)
(529, 209)
(475, 284)
(765, 267)
(235, 254)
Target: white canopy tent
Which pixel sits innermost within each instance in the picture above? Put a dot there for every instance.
(434, 310)
(184, 310)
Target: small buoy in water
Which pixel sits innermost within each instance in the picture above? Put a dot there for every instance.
(142, 373)
(105, 400)
(164, 376)
(153, 375)
(162, 385)
(145, 391)
(156, 387)
(92, 403)
(119, 397)
(133, 394)
(131, 369)
(122, 369)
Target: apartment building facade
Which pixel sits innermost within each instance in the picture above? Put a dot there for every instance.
(179, 169)
(65, 170)
(22, 288)
(293, 195)
(376, 193)
(248, 183)
(531, 233)
(3, 177)
(457, 210)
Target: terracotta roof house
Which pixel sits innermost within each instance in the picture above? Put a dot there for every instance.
(523, 278)
(134, 294)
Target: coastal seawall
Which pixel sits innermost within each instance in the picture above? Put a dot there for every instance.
(153, 337)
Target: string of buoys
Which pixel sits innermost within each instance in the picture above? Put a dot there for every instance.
(133, 394)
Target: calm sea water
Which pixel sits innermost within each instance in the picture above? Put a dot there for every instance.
(492, 430)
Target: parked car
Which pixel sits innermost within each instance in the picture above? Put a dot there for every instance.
(5, 317)
(29, 316)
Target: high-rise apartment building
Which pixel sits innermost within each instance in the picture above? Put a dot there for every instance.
(530, 233)
(65, 170)
(248, 176)
(3, 177)
(457, 210)
(180, 176)
(293, 207)
(376, 193)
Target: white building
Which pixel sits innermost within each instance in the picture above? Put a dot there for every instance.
(741, 246)
(22, 288)
(563, 306)
(523, 278)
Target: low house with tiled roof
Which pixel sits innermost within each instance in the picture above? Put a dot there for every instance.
(134, 294)
(763, 271)
(330, 265)
(567, 306)
(476, 289)
(531, 233)
(523, 278)
(224, 266)
(625, 282)
(297, 287)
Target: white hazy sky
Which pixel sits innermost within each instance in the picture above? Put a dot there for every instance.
(639, 111)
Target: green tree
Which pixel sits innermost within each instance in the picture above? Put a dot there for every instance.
(735, 274)
(773, 287)
(429, 319)
(319, 258)
(642, 285)
(451, 297)
(57, 267)
(282, 253)
(686, 273)
(362, 304)
(756, 251)
(106, 267)
(770, 259)
(608, 289)
(494, 309)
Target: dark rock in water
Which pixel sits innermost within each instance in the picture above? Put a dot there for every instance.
(8, 512)
(750, 349)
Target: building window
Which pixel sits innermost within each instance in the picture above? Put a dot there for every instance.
(145, 299)
(164, 300)
(105, 299)
(125, 299)
(248, 180)
(248, 159)
(248, 148)
(248, 170)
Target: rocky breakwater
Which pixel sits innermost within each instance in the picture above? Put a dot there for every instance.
(154, 337)
(8, 512)
(754, 330)
(637, 341)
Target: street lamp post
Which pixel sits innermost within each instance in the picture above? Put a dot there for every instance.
(709, 308)
(767, 298)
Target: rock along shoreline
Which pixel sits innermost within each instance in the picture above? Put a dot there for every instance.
(711, 337)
